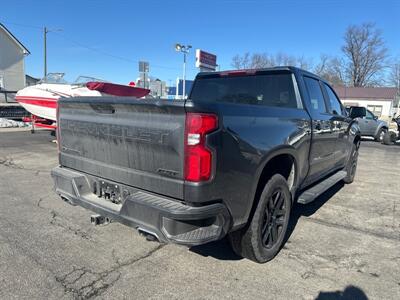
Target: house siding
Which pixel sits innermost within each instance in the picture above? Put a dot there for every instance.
(386, 105)
(11, 63)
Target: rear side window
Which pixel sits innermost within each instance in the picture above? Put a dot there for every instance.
(266, 90)
(336, 107)
(316, 95)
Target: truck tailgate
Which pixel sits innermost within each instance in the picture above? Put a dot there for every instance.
(135, 142)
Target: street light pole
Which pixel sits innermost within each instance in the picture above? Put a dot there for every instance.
(184, 75)
(398, 89)
(185, 50)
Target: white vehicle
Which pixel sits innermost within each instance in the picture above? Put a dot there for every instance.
(41, 99)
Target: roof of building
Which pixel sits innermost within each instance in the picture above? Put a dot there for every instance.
(376, 93)
(31, 77)
(12, 37)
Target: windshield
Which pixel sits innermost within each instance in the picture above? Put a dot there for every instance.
(86, 79)
(57, 78)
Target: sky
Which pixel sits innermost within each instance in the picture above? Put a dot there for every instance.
(106, 39)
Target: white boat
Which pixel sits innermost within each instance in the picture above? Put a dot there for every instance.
(41, 99)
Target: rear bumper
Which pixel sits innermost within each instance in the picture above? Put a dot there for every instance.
(169, 220)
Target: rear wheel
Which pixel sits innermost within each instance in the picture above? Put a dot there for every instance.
(352, 164)
(262, 239)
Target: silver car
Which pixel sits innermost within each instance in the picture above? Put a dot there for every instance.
(370, 125)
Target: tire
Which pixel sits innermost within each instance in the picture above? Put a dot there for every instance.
(381, 133)
(264, 236)
(389, 138)
(351, 167)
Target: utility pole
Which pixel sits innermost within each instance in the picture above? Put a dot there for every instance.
(45, 31)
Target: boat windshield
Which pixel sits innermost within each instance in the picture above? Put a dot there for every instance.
(86, 79)
(57, 78)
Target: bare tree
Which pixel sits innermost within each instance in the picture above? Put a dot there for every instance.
(331, 69)
(265, 60)
(394, 75)
(241, 62)
(365, 55)
(394, 80)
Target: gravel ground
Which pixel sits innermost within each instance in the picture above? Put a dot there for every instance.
(344, 245)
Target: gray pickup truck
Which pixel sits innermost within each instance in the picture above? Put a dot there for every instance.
(229, 161)
(371, 126)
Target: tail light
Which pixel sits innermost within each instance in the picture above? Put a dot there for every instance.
(198, 157)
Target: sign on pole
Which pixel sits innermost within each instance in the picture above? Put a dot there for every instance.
(206, 61)
(144, 66)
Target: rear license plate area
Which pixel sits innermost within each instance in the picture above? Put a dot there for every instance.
(108, 191)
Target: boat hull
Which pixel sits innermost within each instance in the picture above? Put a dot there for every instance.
(39, 106)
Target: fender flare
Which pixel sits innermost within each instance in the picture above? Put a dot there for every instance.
(266, 159)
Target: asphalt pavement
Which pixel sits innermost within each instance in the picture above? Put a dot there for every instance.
(344, 245)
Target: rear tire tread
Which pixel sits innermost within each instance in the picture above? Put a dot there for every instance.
(246, 242)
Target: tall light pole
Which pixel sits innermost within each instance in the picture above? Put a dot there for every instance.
(45, 32)
(185, 50)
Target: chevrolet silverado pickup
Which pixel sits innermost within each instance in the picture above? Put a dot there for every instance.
(230, 160)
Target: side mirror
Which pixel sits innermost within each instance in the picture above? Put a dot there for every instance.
(357, 112)
(375, 118)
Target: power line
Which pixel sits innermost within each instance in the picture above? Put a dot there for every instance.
(23, 25)
(112, 55)
(97, 50)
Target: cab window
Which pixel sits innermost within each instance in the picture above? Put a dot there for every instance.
(369, 115)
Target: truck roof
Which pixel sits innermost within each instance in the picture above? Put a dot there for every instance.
(254, 71)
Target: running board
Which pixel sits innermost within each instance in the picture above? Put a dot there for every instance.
(309, 195)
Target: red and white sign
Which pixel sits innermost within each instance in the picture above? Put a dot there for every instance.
(205, 60)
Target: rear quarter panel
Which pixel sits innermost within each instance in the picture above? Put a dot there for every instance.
(248, 137)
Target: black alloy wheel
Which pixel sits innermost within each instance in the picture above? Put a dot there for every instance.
(274, 219)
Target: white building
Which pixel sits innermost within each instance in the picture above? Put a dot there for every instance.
(12, 66)
(381, 101)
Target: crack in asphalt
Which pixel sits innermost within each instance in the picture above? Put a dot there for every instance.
(38, 203)
(56, 220)
(8, 162)
(316, 264)
(391, 237)
(97, 282)
(82, 282)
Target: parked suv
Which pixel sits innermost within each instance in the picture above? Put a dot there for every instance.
(229, 161)
(370, 125)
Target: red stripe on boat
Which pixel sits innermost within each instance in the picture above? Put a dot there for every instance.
(35, 98)
(50, 103)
